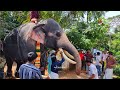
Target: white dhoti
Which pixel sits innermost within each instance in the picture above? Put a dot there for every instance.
(108, 74)
(54, 75)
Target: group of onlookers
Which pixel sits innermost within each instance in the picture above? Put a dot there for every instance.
(98, 64)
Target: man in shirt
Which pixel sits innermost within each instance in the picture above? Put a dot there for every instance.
(28, 70)
(89, 57)
(94, 51)
(98, 63)
(104, 57)
(56, 66)
(82, 58)
(50, 61)
(93, 74)
(110, 63)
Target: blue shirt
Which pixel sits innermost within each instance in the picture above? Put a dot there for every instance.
(49, 64)
(29, 71)
(56, 66)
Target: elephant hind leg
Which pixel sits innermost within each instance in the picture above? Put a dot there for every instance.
(9, 67)
(14, 66)
(5, 70)
(17, 69)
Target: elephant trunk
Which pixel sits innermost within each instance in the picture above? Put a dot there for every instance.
(66, 45)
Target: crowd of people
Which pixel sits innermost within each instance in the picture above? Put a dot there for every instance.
(98, 64)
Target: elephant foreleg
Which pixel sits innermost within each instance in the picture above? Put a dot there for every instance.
(17, 69)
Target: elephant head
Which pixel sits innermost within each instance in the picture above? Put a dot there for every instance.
(52, 36)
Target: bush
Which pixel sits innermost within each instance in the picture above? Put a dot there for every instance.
(116, 70)
(118, 59)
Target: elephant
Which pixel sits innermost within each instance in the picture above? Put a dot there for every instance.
(23, 39)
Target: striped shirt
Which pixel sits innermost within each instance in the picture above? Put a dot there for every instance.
(29, 71)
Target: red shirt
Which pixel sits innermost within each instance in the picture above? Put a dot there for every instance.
(81, 56)
(89, 56)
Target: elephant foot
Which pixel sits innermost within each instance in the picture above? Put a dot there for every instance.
(7, 76)
(12, 77)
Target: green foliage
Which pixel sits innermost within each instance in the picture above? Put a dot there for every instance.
(10, 20)
(116, 70)
(79, 40)
(87, 35)
(114, 46)
(65, 19)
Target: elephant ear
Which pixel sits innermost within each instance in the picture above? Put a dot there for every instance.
(33, 31)
(37, 34)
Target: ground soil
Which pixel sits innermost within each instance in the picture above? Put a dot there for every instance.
(71, 75)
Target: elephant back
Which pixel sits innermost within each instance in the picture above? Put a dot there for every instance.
(15, 45)
(25, 44)
(10, 46)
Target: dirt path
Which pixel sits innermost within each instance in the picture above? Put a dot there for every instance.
(71, 75)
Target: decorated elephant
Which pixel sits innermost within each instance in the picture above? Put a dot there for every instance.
(22, 40)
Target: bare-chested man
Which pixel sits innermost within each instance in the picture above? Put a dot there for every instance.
(110, 63)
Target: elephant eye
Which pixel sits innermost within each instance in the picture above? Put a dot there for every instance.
(58, 34)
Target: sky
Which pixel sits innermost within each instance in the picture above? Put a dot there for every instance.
(108, 14)
(112, 13)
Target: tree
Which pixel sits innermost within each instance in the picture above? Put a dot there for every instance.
(10, 20)
(90, 34)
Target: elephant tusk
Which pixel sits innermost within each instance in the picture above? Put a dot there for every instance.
(67, 54)
(68, 59)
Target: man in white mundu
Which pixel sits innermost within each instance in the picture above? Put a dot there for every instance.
(110, 63)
